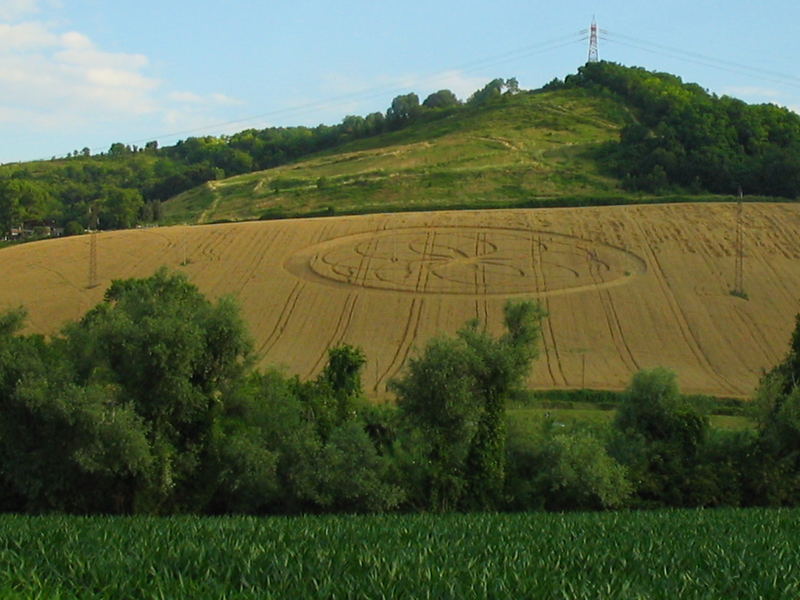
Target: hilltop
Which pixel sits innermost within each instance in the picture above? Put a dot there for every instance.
(520, 147)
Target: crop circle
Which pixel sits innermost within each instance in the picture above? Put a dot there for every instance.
(473, 261)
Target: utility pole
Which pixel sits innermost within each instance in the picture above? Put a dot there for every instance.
(93, 222)
(185, 260)
(593, 42)
(582, 352)
(738, 278)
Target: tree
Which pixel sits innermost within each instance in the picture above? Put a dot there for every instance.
(118, 150)
(578, 473)
(499, 367)
(436, 396)
(787, 372)
(403, 109)
(304, 459)
(346, 473)
(491, 91)
(374, 123)
(686, 137)
(23, 200)
(652, 406)
(455, 392)
(342, 375)
(63, 446)
(354, 126)
(441, 99)
(121, 208)
(662, 436)
(173, 356)
(777, 482)
(233, 161)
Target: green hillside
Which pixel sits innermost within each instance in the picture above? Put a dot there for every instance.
(606, 134)
(521, 146)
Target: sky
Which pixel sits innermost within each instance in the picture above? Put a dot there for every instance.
(88, 73)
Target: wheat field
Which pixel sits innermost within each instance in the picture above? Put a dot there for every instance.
(625, 287)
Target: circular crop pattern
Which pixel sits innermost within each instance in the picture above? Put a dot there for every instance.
(466, 261)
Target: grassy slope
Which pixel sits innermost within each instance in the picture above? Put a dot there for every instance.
(529, 419)
(527, 146)
(528, 412)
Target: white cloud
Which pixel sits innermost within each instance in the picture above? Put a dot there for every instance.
(117, 78)
(61, 81)
(90, 57)
(45, 74)
(76, 41)
(11, 10)
(185, 97)
(41, 120)
(25, 37)
(222, 99)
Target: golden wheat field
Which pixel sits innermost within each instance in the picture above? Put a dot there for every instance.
(625, 287)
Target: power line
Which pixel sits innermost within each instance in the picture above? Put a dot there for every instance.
(710, 58)
(703, 60)
(593, 34)
(380, 91)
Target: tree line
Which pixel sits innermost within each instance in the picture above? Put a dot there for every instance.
(678, 139)
(126, 185)
(150, 404)
(682, 138)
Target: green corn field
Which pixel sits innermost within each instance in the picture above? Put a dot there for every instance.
(660, 554)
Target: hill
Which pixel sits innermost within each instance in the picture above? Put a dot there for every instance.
(626, 287)
(682, 137)
(517, 148)
(606, 134)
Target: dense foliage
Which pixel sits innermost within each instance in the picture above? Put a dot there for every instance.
(455, 392)
(150, 405)
(679, 139)
(653, 554)
(126, 185)
(682, 137)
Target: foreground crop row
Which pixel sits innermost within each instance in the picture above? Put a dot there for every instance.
(663, 554)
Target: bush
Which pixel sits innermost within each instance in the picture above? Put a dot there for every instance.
(660, 437)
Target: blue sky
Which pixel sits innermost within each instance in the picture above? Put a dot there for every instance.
(87, 73)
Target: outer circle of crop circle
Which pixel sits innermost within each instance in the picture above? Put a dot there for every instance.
(466, 261)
